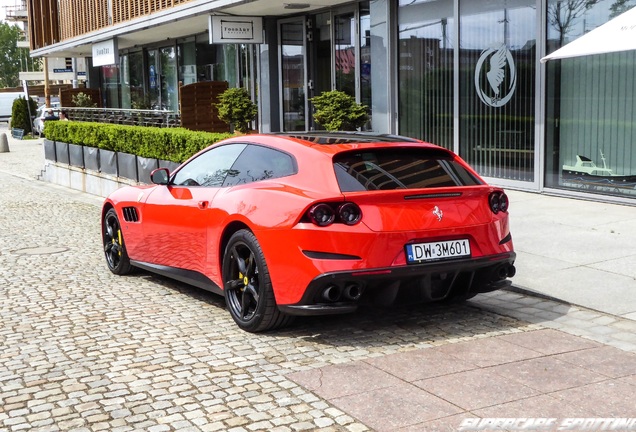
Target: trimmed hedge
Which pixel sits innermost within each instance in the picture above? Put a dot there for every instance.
(171, 144)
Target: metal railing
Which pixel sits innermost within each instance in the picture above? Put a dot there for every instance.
(132, 117)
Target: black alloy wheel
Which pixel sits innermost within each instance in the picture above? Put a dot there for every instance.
(114, 248)
(248, 288)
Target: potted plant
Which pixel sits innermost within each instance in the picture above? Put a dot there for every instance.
(236, 108)
(337, 111)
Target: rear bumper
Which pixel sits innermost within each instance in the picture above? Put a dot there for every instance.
(342, 292)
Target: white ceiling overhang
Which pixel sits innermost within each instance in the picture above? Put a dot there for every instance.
(180, 21)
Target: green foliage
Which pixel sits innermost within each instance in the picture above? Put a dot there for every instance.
(336, 110)
(83, 100)
(20, 114)
(236, 107)
(172, 144)
(12, 56)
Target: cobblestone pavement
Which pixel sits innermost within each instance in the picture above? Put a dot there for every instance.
(84, 350)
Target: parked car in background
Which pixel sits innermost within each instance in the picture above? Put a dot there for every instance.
(6, 104)
(40, 115)
(314, 224)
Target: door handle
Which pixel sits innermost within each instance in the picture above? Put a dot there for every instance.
(202, 204)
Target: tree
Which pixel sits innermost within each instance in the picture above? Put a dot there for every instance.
(10, 57)
(20, 113)
(338, 111)
(235, 107)
(619, 7)
(563, 14)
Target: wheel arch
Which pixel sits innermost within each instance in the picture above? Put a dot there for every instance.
(228, 232)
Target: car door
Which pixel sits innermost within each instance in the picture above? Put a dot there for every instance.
(176, 217)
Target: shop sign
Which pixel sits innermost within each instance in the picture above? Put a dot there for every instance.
(233, 29)
(105, 53)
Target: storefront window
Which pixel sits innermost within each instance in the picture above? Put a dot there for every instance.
(169, 81)
(591, 108)
(292, 52)
(110, 86)
(124, 79)
(187, 54)
(497, 87)
(345, 52)
(426, 70)
(365, 55)
(138, 99)
(154, 82)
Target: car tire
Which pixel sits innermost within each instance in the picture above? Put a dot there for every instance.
(114, 247)
(248, 287)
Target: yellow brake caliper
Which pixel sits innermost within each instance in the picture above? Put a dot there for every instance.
(120, 243)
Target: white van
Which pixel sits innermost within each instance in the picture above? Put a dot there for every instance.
(6, 104)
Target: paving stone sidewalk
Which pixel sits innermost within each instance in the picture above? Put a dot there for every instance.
(84, 350)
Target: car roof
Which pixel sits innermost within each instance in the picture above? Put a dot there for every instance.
(329, 138)
(307, 145)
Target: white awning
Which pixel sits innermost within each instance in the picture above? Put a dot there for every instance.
(615, 35)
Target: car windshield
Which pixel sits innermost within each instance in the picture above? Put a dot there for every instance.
(399, 168)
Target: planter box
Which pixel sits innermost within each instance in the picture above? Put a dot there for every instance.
(108, 162)
(76, 155)
(144, 167)
(91, 158)
(61, 152)
(49, 150)
(127, 165)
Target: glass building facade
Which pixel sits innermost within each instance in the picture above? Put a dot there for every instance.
(463, 74)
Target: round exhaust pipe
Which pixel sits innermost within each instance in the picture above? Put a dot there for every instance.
(332, 293)
(352, 292)
(511, 271)
(502, 272)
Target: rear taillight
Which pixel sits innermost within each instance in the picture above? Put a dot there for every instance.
(324, 214)
(349, 213)
(498, 202)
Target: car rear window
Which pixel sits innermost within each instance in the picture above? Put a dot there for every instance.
(399, 168)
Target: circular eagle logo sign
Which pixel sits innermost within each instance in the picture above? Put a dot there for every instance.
(500, 73)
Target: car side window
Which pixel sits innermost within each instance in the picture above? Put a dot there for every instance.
(209, 168)
(258, 163)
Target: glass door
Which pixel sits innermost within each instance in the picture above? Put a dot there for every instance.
(498, 87)
(346, 67)
(293, 63)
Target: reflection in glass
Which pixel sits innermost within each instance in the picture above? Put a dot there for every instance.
(293, 75)
(497, 87)
(168, 80)
(426, 70)
(186, 53)
(345, 52)
(138, 99)
(365, 58)
(591, 109)
(110, 85)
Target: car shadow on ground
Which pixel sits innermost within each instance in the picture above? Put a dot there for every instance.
(410, 325)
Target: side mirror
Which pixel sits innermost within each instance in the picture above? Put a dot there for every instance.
(160, 176)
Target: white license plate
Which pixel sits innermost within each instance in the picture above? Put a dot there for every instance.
(433, 251)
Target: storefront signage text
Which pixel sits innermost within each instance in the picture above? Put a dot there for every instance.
(230, 29)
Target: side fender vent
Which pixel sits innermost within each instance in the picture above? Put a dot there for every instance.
(130, 214)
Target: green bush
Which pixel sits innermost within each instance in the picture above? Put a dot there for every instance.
(236, 108)
(338, 111)
(20, 114)
(172, 144)
(83, 100)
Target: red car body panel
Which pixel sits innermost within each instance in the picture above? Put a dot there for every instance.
(183, 227)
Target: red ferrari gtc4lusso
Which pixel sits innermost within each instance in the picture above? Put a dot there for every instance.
(315, 223)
